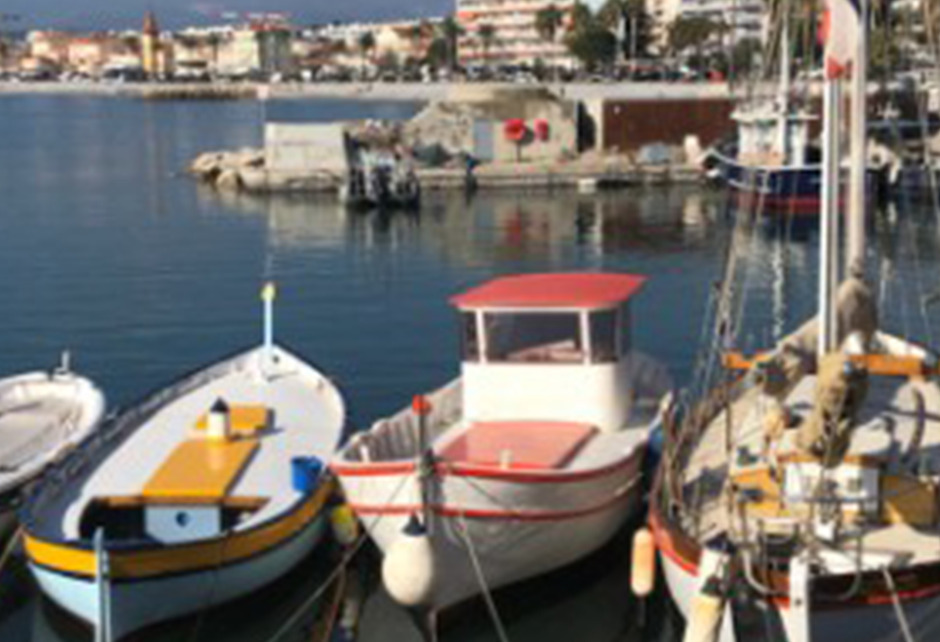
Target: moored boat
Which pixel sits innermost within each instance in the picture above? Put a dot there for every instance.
(530, 461)
(805, 491)
(43, 416)
(206, 491)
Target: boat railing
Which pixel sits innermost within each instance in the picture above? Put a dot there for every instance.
(398, 437)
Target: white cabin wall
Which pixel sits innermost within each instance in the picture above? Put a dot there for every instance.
(597, 394)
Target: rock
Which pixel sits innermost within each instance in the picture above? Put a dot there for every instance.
(229, 179)
(207, 166)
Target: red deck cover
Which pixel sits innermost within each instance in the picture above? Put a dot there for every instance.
(553, 290)
(531, 445)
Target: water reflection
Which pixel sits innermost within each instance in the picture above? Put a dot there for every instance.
(488, 228)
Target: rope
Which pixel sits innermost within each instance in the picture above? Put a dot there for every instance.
(898, 609)
(481, 579)
(11, 545)
(348, 556)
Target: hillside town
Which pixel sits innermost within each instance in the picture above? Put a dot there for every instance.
(522, 41)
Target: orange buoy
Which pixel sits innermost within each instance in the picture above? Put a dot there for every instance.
(643, 568)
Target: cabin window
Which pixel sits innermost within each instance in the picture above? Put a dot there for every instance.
(534, 337)
(604, 336)
(469, 337)
(626, 330)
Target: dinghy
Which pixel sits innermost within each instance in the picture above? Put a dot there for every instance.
(43, 415)
(203, 493)
(528, 462)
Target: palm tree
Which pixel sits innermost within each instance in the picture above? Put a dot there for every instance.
(625, 18)
(487, 35)
(547, 22)
(451, 32)
(366, 46)
(692, 32)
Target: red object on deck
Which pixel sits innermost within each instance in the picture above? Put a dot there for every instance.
(420, 405)
(553, 290)
(525, 445)
(541, 129)
(514, 130)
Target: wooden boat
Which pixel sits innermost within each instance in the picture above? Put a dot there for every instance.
(805, 492)
(530, 461)
(205, 492)
(43, 416)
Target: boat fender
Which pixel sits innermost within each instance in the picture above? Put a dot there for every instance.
(643, 567)
(344, 524)
(704, 624)
(408, 570)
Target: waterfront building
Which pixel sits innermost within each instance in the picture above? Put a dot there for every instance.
(262, 47)
(48, 48)
(742, 19)
(402, 39)
(515, 38)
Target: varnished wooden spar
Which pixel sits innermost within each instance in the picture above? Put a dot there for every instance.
(877, 364)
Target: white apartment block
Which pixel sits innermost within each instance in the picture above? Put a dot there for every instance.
(743, 18)
(516, 40)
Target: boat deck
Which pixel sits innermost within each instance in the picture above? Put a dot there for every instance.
(307, 420)
(908, 529)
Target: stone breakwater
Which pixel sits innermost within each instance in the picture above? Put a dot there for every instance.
(244, 171)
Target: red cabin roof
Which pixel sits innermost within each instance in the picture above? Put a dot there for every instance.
(555, 290)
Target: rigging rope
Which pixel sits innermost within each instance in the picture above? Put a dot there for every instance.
(481, 579)
(898, 608)
(348, 556)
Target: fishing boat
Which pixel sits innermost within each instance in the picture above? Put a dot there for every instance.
(43, 416)
(801, 490)
(527, 462)
(204, 492)
(772, 165)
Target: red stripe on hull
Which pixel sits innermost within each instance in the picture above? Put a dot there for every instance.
(447, 469)
(506, 515)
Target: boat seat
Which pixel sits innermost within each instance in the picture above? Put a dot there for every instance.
(200, 469)
(519, 445)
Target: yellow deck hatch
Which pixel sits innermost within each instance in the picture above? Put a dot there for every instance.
(201, 469)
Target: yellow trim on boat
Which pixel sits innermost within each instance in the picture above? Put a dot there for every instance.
(145, 563)
(201, 468)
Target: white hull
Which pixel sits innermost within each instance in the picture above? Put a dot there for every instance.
(859, 623)
(137, 604)
(516, 530)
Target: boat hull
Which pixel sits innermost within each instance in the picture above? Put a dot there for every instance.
(516, 528)
(138, 603)
(793, 190)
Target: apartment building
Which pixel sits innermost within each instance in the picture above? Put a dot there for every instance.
(515, 38)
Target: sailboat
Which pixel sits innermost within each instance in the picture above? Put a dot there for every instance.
(43, 416)
(803, 490)
(204, 492)
(528, 462)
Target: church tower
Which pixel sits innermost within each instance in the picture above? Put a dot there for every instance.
(150, 46)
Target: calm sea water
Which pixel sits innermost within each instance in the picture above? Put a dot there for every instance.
(107, 250)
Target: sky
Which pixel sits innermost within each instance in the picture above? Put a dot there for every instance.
(126, 14)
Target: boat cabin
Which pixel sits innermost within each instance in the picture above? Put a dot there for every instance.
(548, 346)
(768, 136)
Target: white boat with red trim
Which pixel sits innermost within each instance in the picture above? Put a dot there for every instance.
(530, 461)
(205, 492)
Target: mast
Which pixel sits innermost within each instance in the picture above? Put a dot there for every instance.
(828, 224)
(855, 259)
(783, 97)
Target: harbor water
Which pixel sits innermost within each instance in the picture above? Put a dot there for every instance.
(109, 251)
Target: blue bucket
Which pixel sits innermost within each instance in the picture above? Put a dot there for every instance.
(305, 472)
